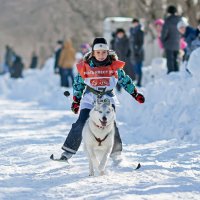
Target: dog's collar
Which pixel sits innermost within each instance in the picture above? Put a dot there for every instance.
(101, 127)
(99, 140)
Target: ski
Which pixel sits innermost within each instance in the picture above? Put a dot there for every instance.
(58, 159)
(66, 161)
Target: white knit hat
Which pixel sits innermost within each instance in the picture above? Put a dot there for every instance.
(100, 44)
(182, 24)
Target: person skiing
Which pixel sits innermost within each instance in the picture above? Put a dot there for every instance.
(98, 74)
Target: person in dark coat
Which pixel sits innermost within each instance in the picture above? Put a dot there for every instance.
(189, 34)
(121, 45)
(17, 68)
(57, 56)
(171, 39)
(34, 61)
(9, 58)
(122, 48)
(112, 41)
(136, 44)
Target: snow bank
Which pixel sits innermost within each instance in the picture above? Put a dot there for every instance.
(194, 63)
(154, 71)
(171, 109)
(41, 86)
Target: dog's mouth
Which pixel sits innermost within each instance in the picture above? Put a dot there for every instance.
(103, 123)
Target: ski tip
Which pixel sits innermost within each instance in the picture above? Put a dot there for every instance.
(51, 157)
(138, 166)
(67, 93)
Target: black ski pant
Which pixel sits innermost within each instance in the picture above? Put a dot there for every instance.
(74, 137)
(172, 61)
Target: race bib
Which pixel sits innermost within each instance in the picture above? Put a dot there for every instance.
(100, 82)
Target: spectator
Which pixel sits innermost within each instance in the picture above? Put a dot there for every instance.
(122, 48)
(195, 43)
(9, 58)
(121, 45)
(112, 40)
(34, 61)
(85, 48)
(57, 55)
(2, 69)
(171, 39)
(66, 62)
(136, 44)
(17, 68)
(158, 26)
(189, 34)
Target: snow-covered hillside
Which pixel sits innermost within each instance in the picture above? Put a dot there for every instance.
(163, 135)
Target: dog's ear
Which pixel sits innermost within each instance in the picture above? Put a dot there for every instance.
(97, 102)
(96, 105)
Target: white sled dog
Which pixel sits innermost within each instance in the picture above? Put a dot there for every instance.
(98, 135)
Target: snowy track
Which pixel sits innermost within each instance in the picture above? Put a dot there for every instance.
(29, 134)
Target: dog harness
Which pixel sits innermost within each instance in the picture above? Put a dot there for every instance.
(99, 93)
(99, 140)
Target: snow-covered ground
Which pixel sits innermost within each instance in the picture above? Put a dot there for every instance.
(163, 135)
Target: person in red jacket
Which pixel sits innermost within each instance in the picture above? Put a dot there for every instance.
(98, 75)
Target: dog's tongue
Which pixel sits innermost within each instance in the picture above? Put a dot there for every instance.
(103, 123)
